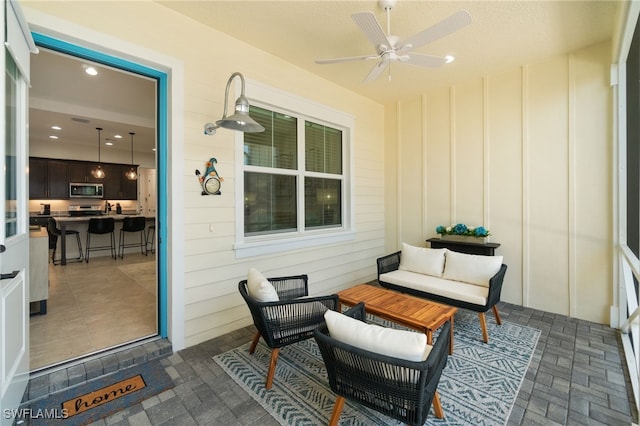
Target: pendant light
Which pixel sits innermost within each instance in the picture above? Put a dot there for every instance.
(98, 173)
(131, 174)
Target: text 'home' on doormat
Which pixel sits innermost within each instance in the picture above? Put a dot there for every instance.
(102, 396)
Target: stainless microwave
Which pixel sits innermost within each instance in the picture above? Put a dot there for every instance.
(86, 190)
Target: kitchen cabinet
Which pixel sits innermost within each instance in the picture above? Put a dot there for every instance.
(80, 172)
(129, 188)
(48, 179)
(116, 184)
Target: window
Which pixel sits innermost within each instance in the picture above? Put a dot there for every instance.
(294, 179)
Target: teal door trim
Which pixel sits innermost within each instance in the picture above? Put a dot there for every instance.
(161, 152)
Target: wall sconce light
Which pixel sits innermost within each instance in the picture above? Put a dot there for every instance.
(238, 121)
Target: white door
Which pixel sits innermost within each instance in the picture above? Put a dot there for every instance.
(14, 233)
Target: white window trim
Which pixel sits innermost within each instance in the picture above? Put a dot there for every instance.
(269, 97)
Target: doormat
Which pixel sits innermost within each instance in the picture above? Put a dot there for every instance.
(98, 398)
(478, 386)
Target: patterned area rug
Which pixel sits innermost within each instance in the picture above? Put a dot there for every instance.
(478, 386)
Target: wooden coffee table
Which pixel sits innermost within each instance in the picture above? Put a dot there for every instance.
(411, 311)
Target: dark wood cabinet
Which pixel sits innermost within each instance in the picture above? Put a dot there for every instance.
(116, 184)
(48, 179)
(80, 172)
(58, 179)
(129, 188)
(111, 181)
(38, 181)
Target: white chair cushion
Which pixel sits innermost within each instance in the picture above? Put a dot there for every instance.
(456, 290)
(401, 344)
(260, 288)
(422, 260)
(471, 268)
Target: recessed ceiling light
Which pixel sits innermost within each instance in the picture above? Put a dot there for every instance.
(449, 59)
(154, 150)
(117, 136)
(91, 71)
(53, 137)
(109, 143)
(56, 127)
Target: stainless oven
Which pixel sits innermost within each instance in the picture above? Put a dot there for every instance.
(86, 190)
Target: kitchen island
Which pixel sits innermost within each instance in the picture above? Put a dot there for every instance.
(81, 224)
(38, 270)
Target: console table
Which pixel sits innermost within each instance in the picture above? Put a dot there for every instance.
(486, 249)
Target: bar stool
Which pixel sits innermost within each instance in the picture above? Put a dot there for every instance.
(54, 233)
(101, 226)
(133, 224)
(151, 235)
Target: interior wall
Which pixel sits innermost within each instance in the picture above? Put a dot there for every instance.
(212, 304)
(527, 154)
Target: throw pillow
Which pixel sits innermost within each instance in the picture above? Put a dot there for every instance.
(471, 268)
(260, 288)
(401, 344)
(422, 260)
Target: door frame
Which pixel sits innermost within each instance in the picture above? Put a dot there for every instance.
(14, 261)
(170, 155)
(74, 50)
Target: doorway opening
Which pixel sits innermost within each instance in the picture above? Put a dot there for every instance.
(102, 304)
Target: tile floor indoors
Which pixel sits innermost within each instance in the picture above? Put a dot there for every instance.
(83, 300)
(577, 377)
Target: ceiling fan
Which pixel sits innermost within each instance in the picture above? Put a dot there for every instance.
(390, 48)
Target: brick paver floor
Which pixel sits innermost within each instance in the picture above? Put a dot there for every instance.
(577, 377)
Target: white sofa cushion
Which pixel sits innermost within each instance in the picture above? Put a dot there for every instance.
(260, 288)
(403, 344)
(471, 268)
(422, 260)
(456, 290)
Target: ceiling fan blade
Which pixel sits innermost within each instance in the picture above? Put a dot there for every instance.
(443, 28)
(346, 59)
(425, 60)
(375, 72)
(371, 28)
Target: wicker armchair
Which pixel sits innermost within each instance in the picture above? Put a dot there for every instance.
(289, 320)
(403, 390)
